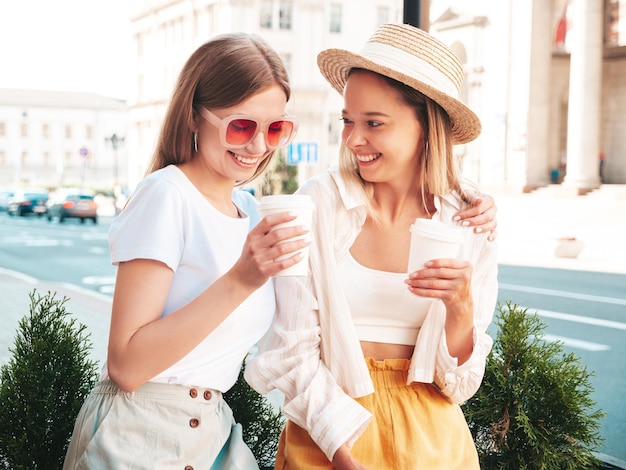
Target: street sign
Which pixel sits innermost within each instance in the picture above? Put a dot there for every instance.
(302, 152)
(84, 152)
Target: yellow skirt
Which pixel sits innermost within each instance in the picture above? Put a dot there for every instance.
(413, 427)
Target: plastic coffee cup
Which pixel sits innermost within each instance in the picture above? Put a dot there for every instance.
(431, 239)
(301, 205)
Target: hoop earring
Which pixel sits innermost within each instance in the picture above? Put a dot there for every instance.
(195, 141)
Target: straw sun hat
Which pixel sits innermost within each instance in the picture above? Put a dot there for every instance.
(415, 58)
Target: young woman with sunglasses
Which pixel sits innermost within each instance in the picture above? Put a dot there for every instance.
(193, 291)
(373, 361)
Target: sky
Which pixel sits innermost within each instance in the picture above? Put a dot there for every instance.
(65, 45)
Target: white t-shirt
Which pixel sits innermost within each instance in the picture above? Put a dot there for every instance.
(167, 219)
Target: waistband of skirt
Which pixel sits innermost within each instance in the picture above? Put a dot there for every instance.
(388, 373)
(387, 364)
(163, 391)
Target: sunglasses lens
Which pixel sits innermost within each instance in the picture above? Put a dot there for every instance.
(279, 133)
(240, 131)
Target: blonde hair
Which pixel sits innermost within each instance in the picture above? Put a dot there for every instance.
(223, 72)
(438, 172)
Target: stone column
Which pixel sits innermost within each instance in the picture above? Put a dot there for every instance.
(585, 86)
(537, 167)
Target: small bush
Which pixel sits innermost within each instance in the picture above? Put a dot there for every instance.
(43, 386)
(534, 407)
(261, 423)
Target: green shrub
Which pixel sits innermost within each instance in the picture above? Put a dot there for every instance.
(261, 423)
(534, 407)
(43, 386)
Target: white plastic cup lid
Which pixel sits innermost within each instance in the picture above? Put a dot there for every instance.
(437, 230)
(286, 201)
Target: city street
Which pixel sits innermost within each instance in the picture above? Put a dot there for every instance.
(582, 300)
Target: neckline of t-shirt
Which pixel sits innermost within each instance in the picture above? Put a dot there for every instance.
(241, 214)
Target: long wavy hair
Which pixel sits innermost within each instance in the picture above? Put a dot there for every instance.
(223, 72)
(438, 173)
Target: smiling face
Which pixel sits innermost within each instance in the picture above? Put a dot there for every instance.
(239, 164)
(381, 129)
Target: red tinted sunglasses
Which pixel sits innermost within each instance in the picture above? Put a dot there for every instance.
(237, 130)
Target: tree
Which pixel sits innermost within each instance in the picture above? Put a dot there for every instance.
(43, 386)
(534, 407)
(281, 178)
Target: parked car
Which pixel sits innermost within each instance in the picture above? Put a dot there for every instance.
(28, 201)
(73, 205)
(5, 196)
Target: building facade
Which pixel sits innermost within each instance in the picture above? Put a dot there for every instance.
(54, 139)
(546, 78)
(549, 88)
(518, 56)
(165, 33)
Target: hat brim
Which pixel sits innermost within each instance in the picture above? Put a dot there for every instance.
(335, 64)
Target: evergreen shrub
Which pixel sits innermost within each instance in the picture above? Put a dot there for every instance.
(43, 386)
(534, 408)
(261, 422)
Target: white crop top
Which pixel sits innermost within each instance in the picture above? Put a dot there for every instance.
(383, 310)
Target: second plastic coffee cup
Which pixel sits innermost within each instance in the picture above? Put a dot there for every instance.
(299, 204)
(431, 239)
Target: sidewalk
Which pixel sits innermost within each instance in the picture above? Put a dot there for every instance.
(528, 228)
(87, 306)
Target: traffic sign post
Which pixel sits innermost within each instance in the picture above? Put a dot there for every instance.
(302, 152)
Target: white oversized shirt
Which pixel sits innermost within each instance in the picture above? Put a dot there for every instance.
(312, 353)
(167, 219)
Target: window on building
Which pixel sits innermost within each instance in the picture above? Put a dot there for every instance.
(89, 132)
(334, 130)
(562, 25)
(287, 60)
(2, 129)
(285, 14)
(24, 129)
(68, 131)
(3, 158)
(335, 18)
(265, 14)
(46, 159)
(382, 15)
(24, 158)
(615, 23)
(68, 158)
(45, 130)
(139, 42)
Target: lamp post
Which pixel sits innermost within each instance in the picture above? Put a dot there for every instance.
(115, 142)
(416, 13)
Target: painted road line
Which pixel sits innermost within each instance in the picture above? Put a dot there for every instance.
(561, 293)
(577, 343)
(615, 325)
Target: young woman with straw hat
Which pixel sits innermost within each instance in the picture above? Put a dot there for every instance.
(373, 361)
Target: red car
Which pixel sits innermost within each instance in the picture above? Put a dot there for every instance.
(73, 205)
